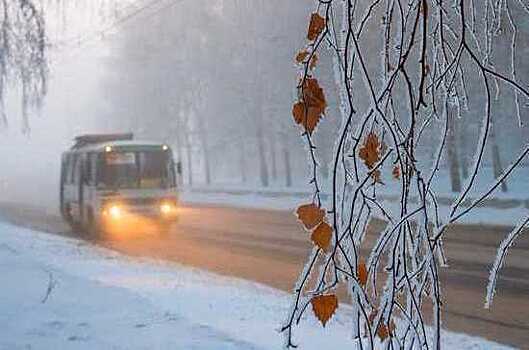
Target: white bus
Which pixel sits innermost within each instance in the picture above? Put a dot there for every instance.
(112, 184)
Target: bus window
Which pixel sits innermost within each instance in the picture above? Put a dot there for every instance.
(76, 173)
(153, 170)
(91, 166)
(147, 169)
(64, 166)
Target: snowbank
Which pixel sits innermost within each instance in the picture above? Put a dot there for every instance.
(60, 293)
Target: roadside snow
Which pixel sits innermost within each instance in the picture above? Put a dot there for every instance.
(285, 201)
(99, 299)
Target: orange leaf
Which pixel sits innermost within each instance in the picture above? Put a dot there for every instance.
(309, 111)
(362, 273)
(298, 111)
(308, 118)
(322, 235)
(383, 331)
(310, 215)
(313, 94)
(396, 172)
(324, 307)
(316, 26)
(313, 118)
(300, 57)
(370, 152)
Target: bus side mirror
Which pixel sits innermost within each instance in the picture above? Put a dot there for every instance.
(179, 168)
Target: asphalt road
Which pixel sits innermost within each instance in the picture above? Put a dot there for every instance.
(270, 247)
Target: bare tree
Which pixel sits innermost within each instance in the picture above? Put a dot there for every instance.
(406, 70)
(22, 55)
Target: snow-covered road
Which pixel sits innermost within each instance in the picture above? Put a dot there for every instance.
(62, 293)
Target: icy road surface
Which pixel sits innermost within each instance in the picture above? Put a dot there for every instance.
(270, 247)
(61, 293)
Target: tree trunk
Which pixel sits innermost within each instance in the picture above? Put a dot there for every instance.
(288, 166)
(179, 144)
(242, 161)
(205, 153)
(179, 155)
(263, 166)
(273, 158)
(496, 159)
(205, 147)
(465, 166)
(189, 160)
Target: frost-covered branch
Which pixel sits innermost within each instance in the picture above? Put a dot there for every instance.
(500, 258)
(407, 79)
(23, 55)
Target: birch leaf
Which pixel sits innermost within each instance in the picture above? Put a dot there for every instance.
(322, 235)
(310, 215)
(324, 307)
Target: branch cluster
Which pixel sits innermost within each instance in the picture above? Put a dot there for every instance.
(436, 61)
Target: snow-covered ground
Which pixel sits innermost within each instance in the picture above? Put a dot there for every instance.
(290, 200)
(61, 293)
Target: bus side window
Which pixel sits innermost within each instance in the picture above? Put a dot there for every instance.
(99, 160)
(64, 166)
(91, 168)
(88, 170)
(76, 173)
(172, 174)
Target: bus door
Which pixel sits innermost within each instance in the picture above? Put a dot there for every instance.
(87, 188)
(72, 188)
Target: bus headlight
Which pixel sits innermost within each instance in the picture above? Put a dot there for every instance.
(167, 208)
(114, 211)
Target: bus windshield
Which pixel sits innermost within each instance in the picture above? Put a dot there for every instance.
(146, 169)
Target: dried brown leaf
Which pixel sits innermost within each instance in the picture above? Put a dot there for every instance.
(322, 235)
(311, 108)
(370, 150)
(313, 94)
(298, 112)
(310, 215)
(383, 331)
(300, 57)
(396, 172)
(362, 273)
(316, 26)
(308, 118)
(324, 307)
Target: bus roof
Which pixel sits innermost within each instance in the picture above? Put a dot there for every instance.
(130, 145)
(89, 139)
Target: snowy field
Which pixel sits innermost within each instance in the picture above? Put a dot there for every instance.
(61, 293)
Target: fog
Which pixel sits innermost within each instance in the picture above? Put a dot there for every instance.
(215, 79)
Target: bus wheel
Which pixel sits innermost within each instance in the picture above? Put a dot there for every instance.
(66, 211)
(92, 229)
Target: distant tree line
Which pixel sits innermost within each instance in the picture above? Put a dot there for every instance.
(213, 78)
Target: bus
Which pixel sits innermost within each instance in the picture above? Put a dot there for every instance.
(112, 184)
